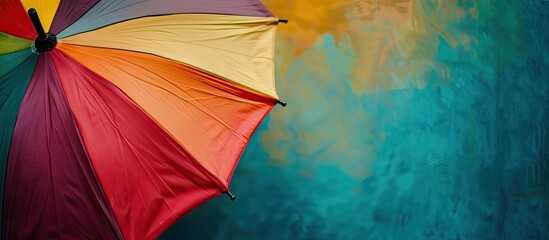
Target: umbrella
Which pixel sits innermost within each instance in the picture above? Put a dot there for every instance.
(118, 117)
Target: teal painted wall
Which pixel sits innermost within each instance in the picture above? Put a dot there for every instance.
(406, 120)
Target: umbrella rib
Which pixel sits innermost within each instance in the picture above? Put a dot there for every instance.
(249, 89)
(198, 166)
(191, 103)
(241, 137)
(196, 106)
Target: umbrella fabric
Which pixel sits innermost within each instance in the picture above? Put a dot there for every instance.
(139, 114)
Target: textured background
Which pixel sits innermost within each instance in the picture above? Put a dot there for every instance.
(407, 119)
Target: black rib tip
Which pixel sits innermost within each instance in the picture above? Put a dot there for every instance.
(283, 104)
(283, 20)
(31, 11)
(231, 195)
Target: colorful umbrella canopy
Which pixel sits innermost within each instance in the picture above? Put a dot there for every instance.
(118, 117)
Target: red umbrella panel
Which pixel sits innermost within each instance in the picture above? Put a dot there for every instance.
(118, 117)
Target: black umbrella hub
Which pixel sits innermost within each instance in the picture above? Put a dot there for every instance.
(45, 41)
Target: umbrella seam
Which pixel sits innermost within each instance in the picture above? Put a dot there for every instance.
(249, 89)
(157, 15)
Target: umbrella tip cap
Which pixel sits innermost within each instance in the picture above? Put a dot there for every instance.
(283, 20)
(283, 104)
(231, 195)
